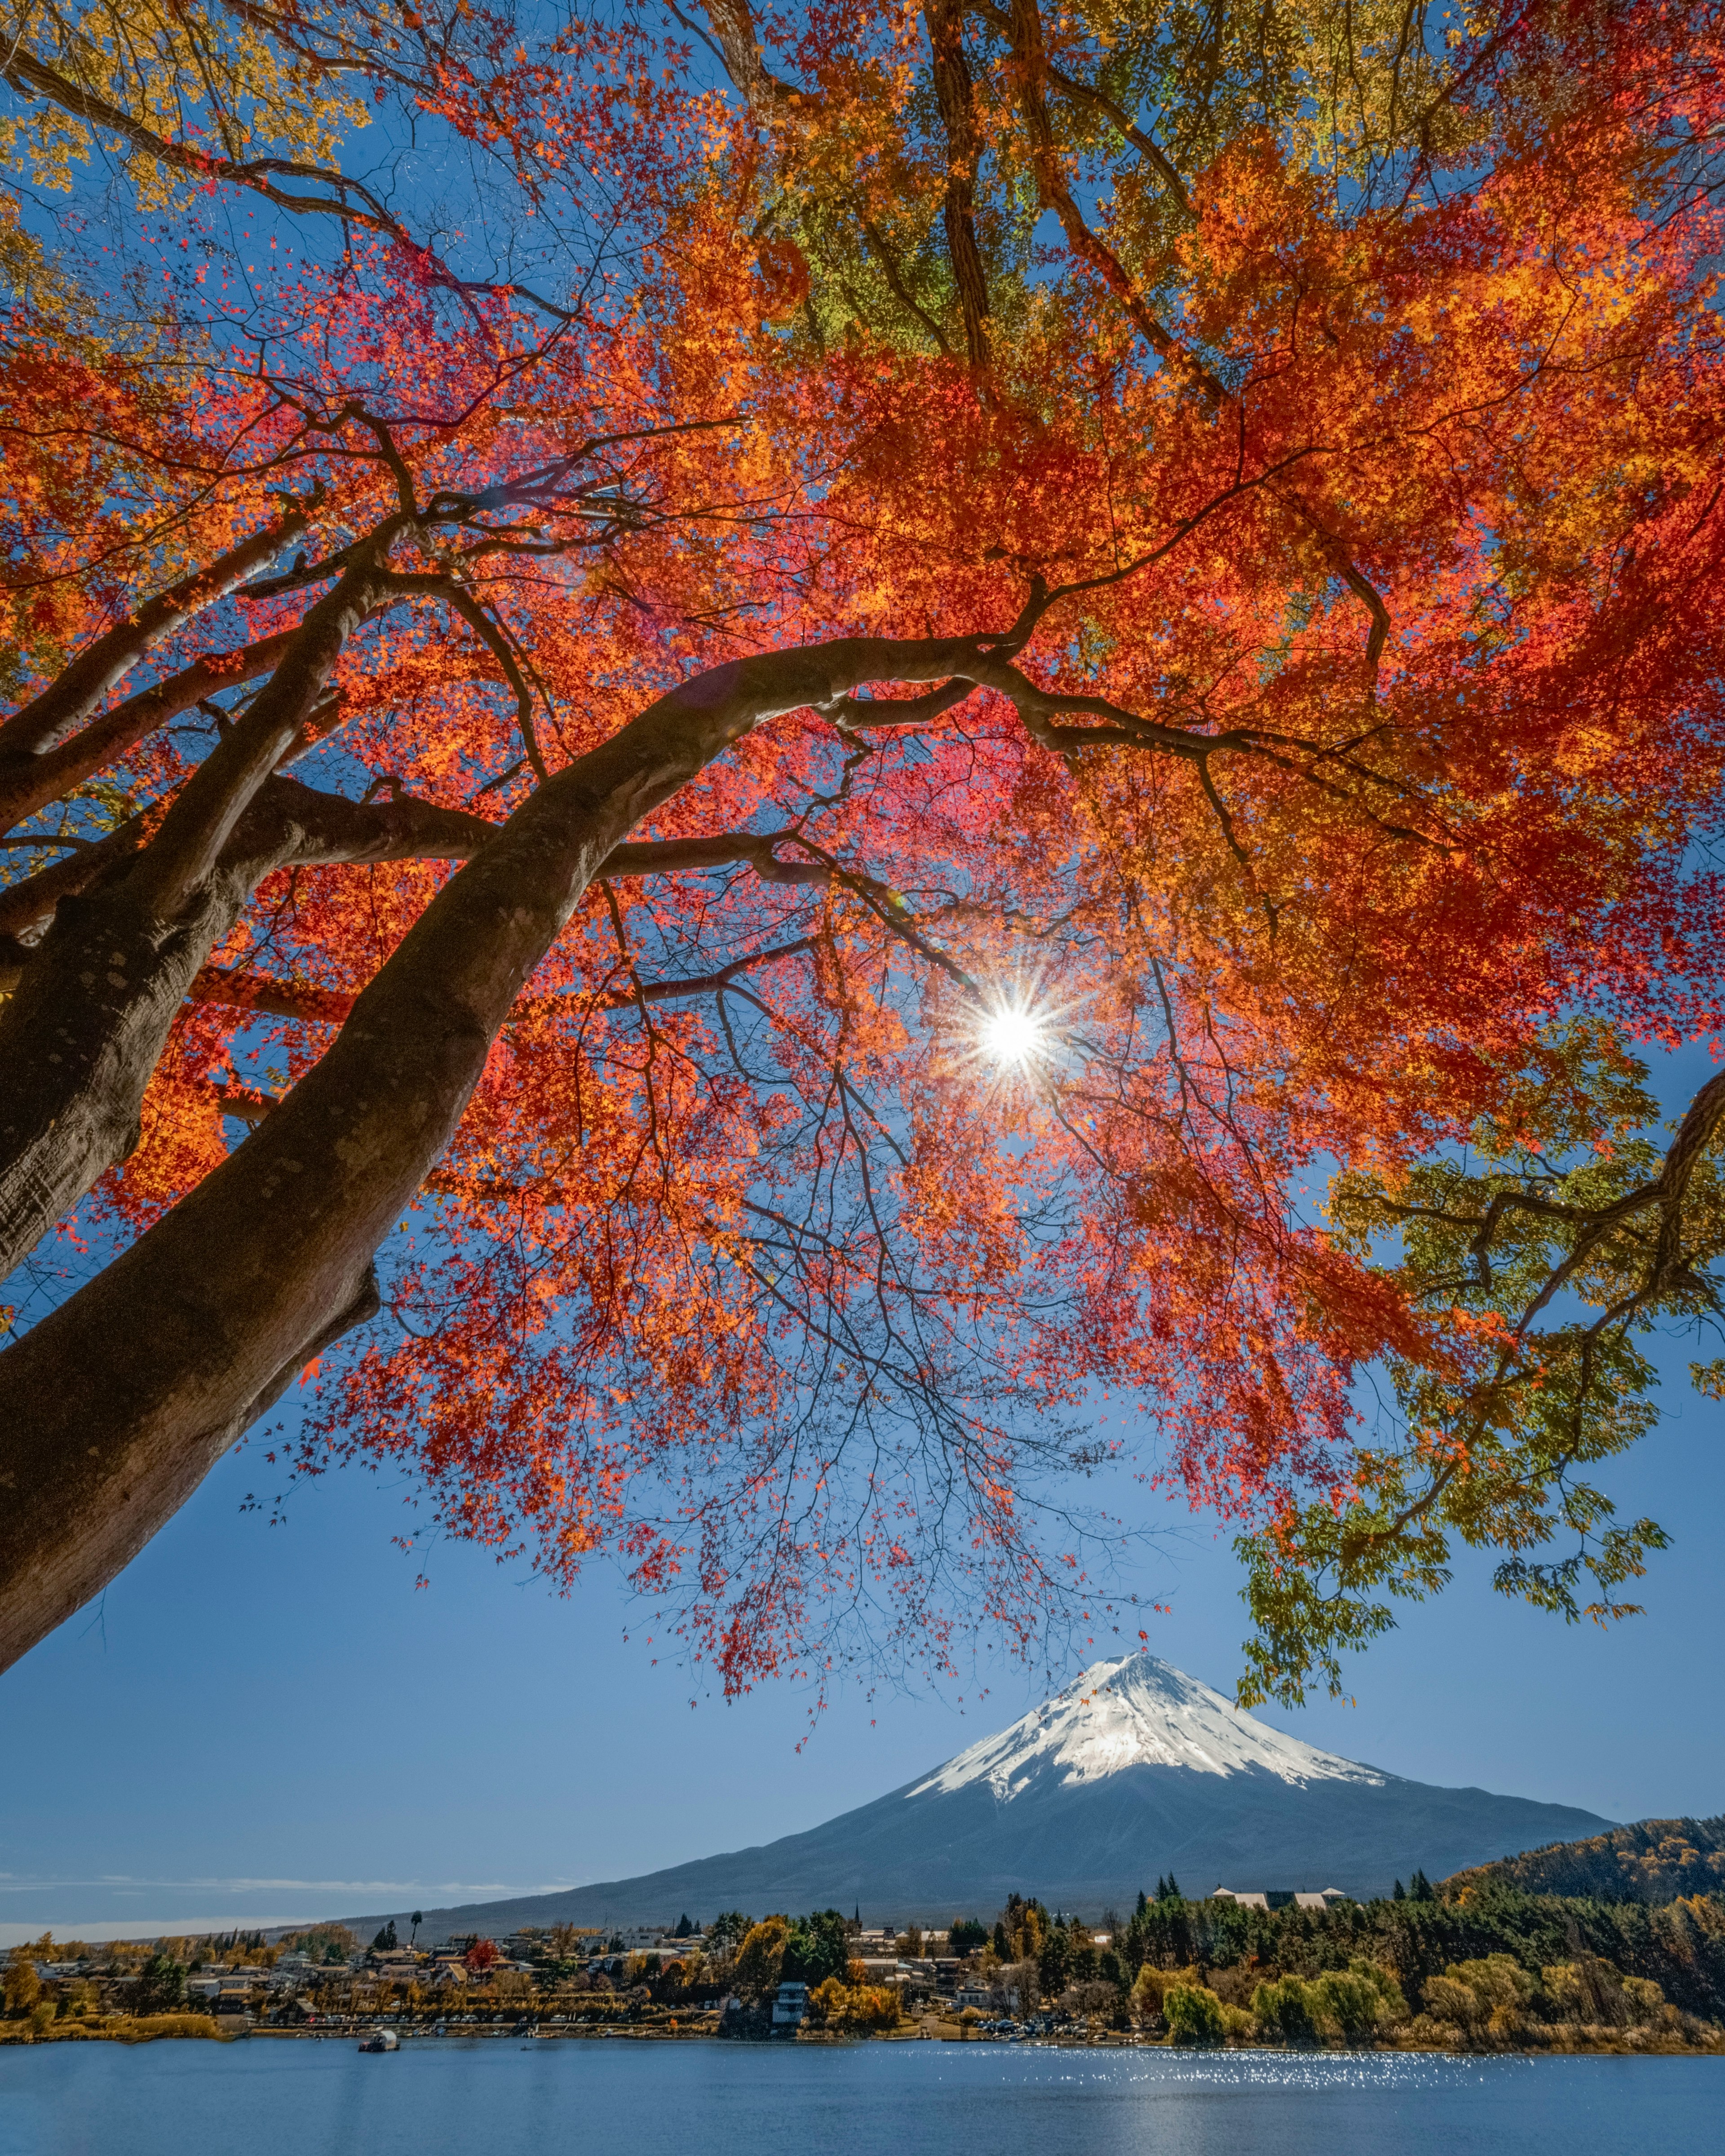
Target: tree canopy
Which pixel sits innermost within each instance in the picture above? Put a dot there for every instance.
(817, 772)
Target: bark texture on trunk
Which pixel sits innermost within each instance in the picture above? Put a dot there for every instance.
(114, 1408)
(955, 95)
(88, 1021)
(80, 1039)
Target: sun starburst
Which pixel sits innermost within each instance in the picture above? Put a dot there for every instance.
(1014, 1033)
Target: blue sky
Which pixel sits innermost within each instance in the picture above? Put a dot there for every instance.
(267, 1723)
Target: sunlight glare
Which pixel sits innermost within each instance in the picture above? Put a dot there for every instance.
(1013, 1034)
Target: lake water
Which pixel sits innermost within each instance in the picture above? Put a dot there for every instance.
(493, 2098)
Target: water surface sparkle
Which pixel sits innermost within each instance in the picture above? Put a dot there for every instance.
(275, 2098)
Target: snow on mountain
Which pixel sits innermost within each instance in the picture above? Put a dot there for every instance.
(1136, 1770)
(1135, 1712)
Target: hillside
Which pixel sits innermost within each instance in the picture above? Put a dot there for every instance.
(1654, 1860)
(1134, 1769)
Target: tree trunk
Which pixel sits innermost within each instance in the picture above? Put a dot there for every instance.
(79, 1039)
(86, 1026)
(955, 96)
(114, 1408)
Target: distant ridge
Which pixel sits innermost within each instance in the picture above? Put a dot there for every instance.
(1134, 1769)
(1655, 1861)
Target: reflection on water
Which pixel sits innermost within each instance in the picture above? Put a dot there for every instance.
(472, 2099)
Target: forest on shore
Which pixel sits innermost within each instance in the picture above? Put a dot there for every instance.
(1469, 1965)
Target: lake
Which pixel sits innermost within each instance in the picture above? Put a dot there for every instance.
(473, 2098)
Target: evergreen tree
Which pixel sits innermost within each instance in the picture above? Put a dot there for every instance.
(727, 1931)
(1174, 1889)
(161, 1985)
(816, 1948)
(1420, 1888)
(1143, 1903)
(1400, 1893)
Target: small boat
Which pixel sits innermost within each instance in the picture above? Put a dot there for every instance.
(380, 2040)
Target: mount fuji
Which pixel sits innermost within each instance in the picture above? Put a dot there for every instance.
(1135, 1770)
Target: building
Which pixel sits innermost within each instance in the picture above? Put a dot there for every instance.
(790, 2006)
(1276, 1897)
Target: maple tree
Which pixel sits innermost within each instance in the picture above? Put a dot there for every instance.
(1053, 625)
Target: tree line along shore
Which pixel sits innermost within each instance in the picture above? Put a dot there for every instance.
(1474, 1965)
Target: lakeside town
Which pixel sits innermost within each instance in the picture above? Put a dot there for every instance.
(1457, 1967)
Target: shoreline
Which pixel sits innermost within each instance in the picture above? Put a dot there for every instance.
(531, 2036)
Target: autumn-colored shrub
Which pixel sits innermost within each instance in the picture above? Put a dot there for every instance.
(1284, 2012)
(858, 2009)
(760, 1958)
(1193, 2014)
(146, 2028)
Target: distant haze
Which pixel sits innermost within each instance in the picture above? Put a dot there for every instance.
(1135, 1770)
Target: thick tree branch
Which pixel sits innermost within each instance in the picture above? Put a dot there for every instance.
(1087, 93)
(75, 692)
(1031, 63)
(698, 984)
(955, 95)
(196, 827)
(114, 1408)
(348, 199)
(28, 907)
(881, 249)
(1695, 1134)
(91, 1007)
(767, 96)
(248, 1104)
(882, 714)
(26, 787)
(238, 989)
(669, 856)
(328, 830)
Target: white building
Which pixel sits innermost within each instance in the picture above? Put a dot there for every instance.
(790, 2006)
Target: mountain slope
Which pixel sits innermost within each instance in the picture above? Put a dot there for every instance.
(1134, 1769)
(1654, 1860)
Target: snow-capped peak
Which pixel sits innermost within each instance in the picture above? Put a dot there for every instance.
(1136, 1711)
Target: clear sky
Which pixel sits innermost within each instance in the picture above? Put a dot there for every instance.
(269, 1722)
